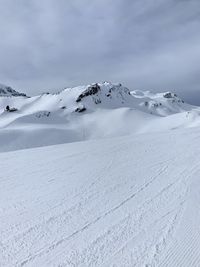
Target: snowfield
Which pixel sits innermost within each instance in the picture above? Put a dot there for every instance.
(129, 201)
(119, 185)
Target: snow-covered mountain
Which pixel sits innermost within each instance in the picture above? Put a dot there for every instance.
(9, 91)
(101, 95)
(89, 112)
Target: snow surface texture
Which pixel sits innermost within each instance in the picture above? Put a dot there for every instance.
(126, 201)
(89, 112)
(126, 196)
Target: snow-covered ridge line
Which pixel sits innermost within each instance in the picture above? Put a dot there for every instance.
(88, 112)
(109, 95)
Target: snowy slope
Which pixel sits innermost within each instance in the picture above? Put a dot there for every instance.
(126, 196)
(128, 201)
(89, 112)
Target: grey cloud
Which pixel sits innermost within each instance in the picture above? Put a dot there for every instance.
(145, 44)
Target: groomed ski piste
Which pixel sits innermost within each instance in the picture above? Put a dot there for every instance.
(108, 180)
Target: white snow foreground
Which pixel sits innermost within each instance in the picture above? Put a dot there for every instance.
(125, 201)
(88, 112)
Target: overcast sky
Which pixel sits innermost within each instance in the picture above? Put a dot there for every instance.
(145, 44)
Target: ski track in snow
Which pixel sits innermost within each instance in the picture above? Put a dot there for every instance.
(130, 201)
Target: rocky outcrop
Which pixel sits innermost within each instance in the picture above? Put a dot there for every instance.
(169, 95)
(80, 109)
(9, 91)
(91, 90)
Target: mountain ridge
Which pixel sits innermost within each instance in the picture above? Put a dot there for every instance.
(93, 111)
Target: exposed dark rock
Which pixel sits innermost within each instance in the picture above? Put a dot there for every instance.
(13, 109)
(97, 101)
(91, 90)
(155, 105)
(43, 114)
(80, 109)
(8, 109)
(168, 95)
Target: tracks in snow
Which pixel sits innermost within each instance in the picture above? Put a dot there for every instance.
(116, 205)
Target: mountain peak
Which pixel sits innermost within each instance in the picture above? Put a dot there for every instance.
(9, 91)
